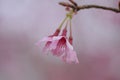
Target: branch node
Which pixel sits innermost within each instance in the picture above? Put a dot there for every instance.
(74, 3)
(76, 8)
(119, 5)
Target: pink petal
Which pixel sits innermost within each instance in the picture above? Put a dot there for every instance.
(69, 45)
(45, 39)
(54, 44)
(59, 46)
(56, 50)
(57, 37)
(47, 47)
(70, 57)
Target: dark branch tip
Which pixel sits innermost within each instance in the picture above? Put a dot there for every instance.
(119, 5)
(74, 3)
(66, 4)
(76, 8)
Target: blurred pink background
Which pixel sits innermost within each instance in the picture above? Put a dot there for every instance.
(96, 41)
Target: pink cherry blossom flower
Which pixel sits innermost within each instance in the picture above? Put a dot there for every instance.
(70, 57)
(48, 41)
(61, 47)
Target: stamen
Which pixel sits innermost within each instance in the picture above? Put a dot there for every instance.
(70, 28)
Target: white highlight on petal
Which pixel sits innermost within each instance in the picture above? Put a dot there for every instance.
(46, 39)
(69, 45)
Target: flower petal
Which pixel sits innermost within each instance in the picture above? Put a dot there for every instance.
(69, 45)
(57, 37)
(54, 44)
(70, 57)
(46, 39)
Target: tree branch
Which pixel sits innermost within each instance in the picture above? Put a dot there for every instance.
(98, 7)
(77, 8)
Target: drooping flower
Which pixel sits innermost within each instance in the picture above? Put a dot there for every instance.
(48, 40)
(61, 45)
(63, 48)
(70, 57)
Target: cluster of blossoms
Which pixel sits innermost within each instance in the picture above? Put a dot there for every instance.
(59, 44)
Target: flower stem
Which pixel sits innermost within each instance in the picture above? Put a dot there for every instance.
(62, 23)
(70, 28)
(69, 15)
(66, 25)
(70, 37)
(98, 7)
(64, 32)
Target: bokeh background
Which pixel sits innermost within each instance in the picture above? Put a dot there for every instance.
(96, 40)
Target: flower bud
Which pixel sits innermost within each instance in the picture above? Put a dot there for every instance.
(64, 32)
(56, 32)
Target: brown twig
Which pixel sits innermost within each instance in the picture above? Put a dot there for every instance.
(99, 7)
(73, 2)
(77, 8)
(65, 4)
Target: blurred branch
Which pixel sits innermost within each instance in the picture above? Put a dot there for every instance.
(99, 7)
(77, 8)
